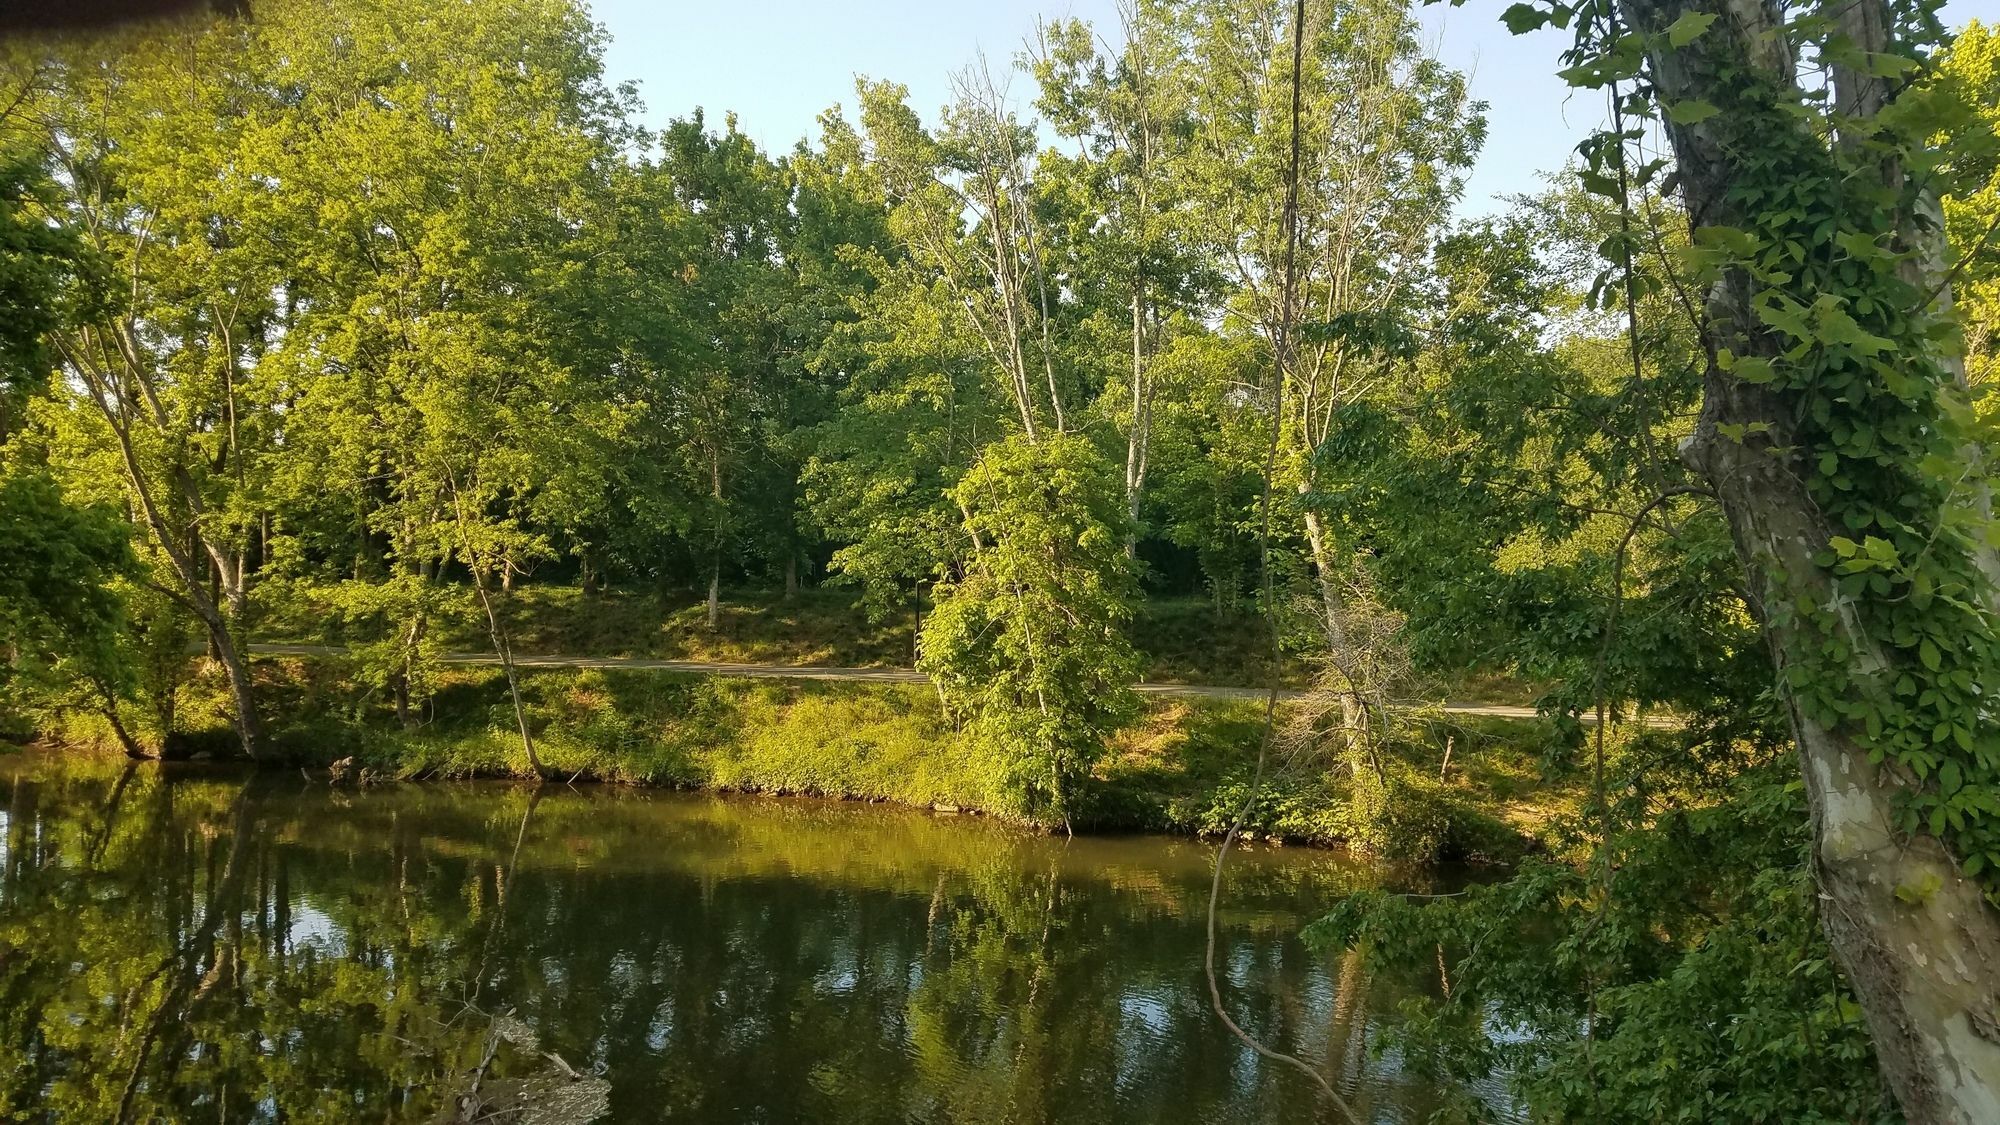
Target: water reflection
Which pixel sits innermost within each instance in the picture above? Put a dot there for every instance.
(201, 945)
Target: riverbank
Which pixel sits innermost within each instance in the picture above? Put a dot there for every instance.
(1183, 767)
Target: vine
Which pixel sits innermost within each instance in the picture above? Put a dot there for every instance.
(1832, 193)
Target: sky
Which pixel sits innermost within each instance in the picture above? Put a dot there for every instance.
(778, 63)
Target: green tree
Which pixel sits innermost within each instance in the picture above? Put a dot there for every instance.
(1969, 76)
(737, 199)
(148, 148)
(1128, 253)
(1028, 645)
(1835, 438)
(1386, 135)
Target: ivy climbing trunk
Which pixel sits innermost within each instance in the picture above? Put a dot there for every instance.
(1919, 943)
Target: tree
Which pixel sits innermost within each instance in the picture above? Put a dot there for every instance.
(166, 365)
(1836, 436)
(736, 198)
(1130, 253)
(1028, 646)
(1387, 134)
(1969, 76)
(962, 208)
(917, 396)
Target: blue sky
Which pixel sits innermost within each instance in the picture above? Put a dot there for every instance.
(778, 63)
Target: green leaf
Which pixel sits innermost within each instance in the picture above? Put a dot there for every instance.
(1755, 369)
(1694, 111)
(1597, 184)
(1523, 18)
(1928, 653)
(1885, 65)
(1688, 28)
(1950, 778)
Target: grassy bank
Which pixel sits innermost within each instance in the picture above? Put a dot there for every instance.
(1181, 640)
(1184, 766)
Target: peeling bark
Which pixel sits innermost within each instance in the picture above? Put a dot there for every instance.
(1925, 963)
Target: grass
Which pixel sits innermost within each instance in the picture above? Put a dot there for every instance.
(1183, 767)
(820, 626)
(1182, 640)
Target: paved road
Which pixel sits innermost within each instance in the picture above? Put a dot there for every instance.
(820, 672)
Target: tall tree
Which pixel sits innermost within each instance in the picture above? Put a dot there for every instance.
(1387, 133)
(1836, 435)
(1132, 256)
(149, 137)
(738, 201)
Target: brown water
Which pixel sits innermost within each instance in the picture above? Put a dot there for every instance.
(200, 945)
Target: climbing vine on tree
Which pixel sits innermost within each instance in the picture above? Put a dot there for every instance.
(1838, 436)
(1834, 258)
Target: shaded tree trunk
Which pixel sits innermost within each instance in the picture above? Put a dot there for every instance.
(1138, 441)
(1333, 612)
(1927, 971)
(715, 556)
(496, 629)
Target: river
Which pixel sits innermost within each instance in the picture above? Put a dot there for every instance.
(197, 944)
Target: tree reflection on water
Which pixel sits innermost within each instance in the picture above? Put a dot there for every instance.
(187, 944)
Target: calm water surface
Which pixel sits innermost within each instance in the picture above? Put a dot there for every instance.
(200, 945)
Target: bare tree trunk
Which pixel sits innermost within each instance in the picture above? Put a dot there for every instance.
(715, 557)
(1138, 440)
(1333, 610)
(496, 629)
(1927, 972)
(498, 632)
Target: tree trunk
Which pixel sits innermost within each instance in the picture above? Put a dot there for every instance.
(214, 597)
(1353, 716)
(1927, 973)
(496, 628)
(1139, 440)
(249, 726)
(108, 705)
(715, 593)
(199, 584)
(715, 557)
(501, 644)
(1926, 967)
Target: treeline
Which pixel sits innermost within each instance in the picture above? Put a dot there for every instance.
(362, 302)
(364, 306)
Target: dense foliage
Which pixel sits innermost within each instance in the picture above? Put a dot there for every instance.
(372, 312)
